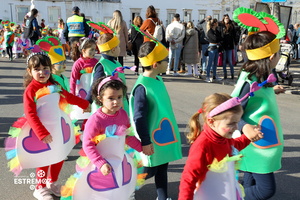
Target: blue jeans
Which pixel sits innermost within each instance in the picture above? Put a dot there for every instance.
(259, 186)
(212, 62)
(174, 53)
(227, 55)
(204, 58)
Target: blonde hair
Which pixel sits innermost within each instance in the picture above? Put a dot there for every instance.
(210, 23)
(116, 21)
(138, 21)
(208, 105)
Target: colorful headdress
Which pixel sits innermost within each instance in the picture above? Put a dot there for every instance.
(114, 76)
(159, 52)
(237, 101)
(52, 46)
(8, 24)
(258, 22)
(36, 53)
(104, 28)
(45, 30)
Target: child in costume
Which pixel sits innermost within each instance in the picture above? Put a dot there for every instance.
(52, 46)
(108, 44)
(209, 172)
(17, 47)
(2, 51)
(152, 115)
(44, 137)
(9, 37)
(262, 158)
(81, 74)
(105, 171)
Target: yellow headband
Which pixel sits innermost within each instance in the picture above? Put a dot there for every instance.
(263, 52)
(109, 45)
(157, 54)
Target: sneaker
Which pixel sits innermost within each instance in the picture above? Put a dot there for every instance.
(175, 74)
(208, 80)
(181, 71)
(54, 188)
(168, 72)
(188, 74)
(42, 194)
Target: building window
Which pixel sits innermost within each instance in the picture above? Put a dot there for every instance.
(216, 14)
(170, 15)
(21, 12)
(53, 14)
(201, 15)
(135, 12)
(187, 15)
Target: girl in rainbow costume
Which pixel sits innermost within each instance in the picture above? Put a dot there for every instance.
(44, 136)
(262, 158)
(81, 75)
(105, 170)
(108, 44)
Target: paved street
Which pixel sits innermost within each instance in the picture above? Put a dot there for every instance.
(186, 94)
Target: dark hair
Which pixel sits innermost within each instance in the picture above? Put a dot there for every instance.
(35, 62)
(34, 11)
(260, 68)
(145, 49)
(177, 16)
(78, 46)
(103, 38)
(113, 84)
(151, 13)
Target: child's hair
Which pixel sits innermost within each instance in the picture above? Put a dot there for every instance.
(34, 62)
(260, 68)
(78, 46)
(208, 105)
(113, 84)
(103, 38)
(145, 49)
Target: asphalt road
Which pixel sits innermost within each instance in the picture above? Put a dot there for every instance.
(186, 94)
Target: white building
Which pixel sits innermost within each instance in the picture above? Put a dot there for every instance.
(101, 10)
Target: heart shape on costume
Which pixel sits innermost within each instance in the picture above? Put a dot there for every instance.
(82, 93)
(59, 51)
(269, 129)
(127, 171)
(66, 130)
(254, 87)
(97, 181)
(32, 144)
(164, 135)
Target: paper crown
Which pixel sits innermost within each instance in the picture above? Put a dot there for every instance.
(8, 24)
(237, 101)
(104, 28)
(52, 46)
(258, 22)
(159, 52)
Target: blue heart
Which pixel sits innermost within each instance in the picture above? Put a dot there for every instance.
(268, 128)
(164, 135)
(59, 51)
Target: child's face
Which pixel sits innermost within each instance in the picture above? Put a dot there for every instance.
(112, 100)
(274, 60)
(60, 67)
(116, 51)
(225, 127)
(163, 65)
(89, 52)
(40, 74)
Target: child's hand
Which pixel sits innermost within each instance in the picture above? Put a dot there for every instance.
(252, 132)
(47, 139)
(278, 89)
(88, 109)
(105, 169)
(148, 149)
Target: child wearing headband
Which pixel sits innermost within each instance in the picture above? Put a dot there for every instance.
(262, 158)
(108, 171)
(209, 172)
(45, 136)
(152, 115)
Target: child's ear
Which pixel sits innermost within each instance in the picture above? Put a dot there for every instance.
(99, 98)
(155, 65)
(210, 122)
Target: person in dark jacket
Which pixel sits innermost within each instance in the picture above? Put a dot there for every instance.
(32, 30)
(137, 40)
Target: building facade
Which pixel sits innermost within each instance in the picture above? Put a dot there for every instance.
(101, 10)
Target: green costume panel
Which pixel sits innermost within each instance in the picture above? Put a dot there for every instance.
(63, 81)
(163, 129)
(263, 156)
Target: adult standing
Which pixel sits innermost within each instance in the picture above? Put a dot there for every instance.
(228, 41)
(175, 33)
(31, 28)
(120, 27)
(203, 41)
(214, 38)
(150, 22)
(190, 50)
(76, 27)
(137, 40)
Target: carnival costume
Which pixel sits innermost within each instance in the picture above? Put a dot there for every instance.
(261, 109)
(103, 132)
(9, 36)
